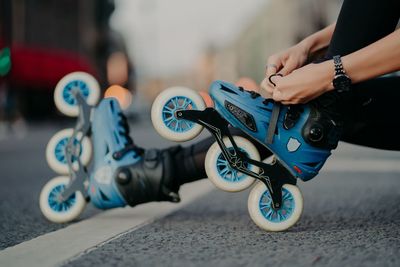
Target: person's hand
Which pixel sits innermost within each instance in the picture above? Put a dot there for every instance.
(304, 84)
(285, 62)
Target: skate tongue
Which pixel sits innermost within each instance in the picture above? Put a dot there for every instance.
(273, 122)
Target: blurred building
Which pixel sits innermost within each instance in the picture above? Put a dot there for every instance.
(49, 39)
(281, 24)
(278, 25)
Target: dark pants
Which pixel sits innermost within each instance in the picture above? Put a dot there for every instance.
(371, 107)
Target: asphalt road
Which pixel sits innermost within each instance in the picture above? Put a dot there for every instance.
(351, 215)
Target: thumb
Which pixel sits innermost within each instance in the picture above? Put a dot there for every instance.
(277, 95)
(288, 68)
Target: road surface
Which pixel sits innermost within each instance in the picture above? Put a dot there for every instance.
(351, 217)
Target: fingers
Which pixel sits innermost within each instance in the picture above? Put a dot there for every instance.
(274, 64)
(266, 89)
(271, 78)
(290, 66)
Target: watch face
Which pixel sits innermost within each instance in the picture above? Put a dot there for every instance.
(342, 83)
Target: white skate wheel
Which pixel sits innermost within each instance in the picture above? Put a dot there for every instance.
(85, 83)
(60, 212)
(55, 151)
(221, 174)
(163, 113)
(269, 219)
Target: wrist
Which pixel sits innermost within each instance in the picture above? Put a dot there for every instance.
(313, 44)
(307, 45)
(341, 82)
(327, 74)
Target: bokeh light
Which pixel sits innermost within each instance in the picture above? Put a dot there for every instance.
(124, 96)
(207, 99)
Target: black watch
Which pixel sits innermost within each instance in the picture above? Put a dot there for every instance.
(341, 82)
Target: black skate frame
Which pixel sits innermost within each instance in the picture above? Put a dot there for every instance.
(79, 178)
(274, 175)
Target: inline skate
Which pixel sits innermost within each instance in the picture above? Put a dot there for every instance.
(97, 159)
(301, 138)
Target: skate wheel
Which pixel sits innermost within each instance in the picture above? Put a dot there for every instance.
(55, 151)
(85, 83)
(219, 171)
(163, 113)
(267, 218)
(60, 212)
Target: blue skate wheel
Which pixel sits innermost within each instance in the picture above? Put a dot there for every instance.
(165, 107)
(221, 174)
(83, 82)
(55, 151)
(270, 219)
(60, 211)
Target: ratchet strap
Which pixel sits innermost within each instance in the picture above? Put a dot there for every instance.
(273, 122)
(274, 115)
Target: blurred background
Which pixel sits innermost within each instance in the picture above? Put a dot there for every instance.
(142, 45)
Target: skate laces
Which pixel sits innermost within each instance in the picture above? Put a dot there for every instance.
(274, 115)
(129, 144)
(253, 94)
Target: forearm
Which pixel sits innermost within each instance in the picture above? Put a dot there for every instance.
(379, 58)
(320, 39)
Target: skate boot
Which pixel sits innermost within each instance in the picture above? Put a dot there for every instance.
(122, 172)
(301, 138)
(114, 172)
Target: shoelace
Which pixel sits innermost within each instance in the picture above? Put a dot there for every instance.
(253, 94)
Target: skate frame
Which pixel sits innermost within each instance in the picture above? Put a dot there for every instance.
(274, 175)
(79, 178)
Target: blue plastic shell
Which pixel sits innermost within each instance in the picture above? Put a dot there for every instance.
(301, 159)
(108, 137)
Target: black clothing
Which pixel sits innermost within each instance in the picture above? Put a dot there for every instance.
(362, 22)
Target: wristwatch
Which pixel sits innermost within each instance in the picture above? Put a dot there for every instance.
(341, 82)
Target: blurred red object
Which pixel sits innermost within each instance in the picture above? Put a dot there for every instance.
(40, 68)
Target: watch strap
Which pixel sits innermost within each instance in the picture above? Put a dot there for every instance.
(337, 61)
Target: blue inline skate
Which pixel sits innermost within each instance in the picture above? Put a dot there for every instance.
(301, 138)
(113, 172)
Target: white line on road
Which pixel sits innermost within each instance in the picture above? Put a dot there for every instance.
(54, 248)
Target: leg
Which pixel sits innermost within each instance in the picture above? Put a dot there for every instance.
(161, 172)
(189, 161)
(374, 121)
(362, 22)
